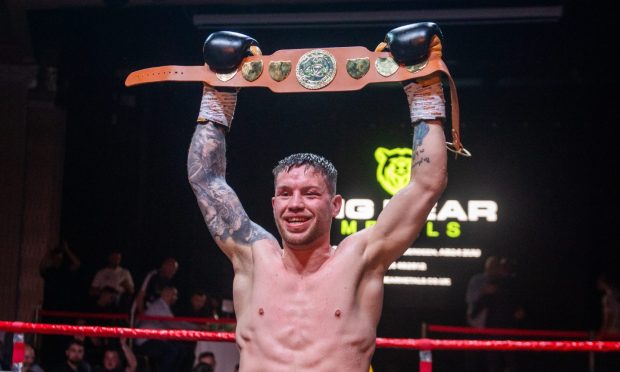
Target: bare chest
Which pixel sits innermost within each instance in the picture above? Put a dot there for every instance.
(297, 311)
(326, 295)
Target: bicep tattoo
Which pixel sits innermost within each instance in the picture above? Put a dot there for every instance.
(220, 206)
(418, 157)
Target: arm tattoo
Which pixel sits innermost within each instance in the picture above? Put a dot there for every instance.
(220, 206)
(419, 132)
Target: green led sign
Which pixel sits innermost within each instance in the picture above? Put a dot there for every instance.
(393, 168)
(394, 173)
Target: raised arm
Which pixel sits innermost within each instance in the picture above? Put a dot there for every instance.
(130, 357)
(206, 164)
(401, 220)
(206, 167)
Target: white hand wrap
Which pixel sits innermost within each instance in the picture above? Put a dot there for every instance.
(425, 102)
(217, 106)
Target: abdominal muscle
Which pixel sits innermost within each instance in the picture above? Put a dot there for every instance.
(324, 321)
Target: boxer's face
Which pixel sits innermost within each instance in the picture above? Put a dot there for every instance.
(303, 208)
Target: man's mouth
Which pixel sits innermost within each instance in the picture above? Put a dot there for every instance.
(296, 221)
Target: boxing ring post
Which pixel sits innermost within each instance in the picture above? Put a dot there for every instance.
(426, 361)
(19, 349)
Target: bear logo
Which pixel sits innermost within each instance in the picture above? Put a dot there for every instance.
(393, 168)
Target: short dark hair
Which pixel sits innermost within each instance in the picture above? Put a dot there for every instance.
(319, 163)
(206, 354)
(74, 341)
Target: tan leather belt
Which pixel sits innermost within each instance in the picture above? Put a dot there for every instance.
(309, 71)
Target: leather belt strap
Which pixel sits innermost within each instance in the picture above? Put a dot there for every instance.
(341, 81)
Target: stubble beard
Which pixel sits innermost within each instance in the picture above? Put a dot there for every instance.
(300, 240)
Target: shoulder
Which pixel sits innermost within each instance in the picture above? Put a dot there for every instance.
(262, 251)
(354, 245)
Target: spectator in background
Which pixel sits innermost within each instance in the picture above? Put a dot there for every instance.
(153, 284)
(115, 276)
(493, 302)
(112, 361)
(610, 305)
(170, 355)
(608, 283)
(506, 309)
(479, 285)
(106, 303)
(93, 346)
(59, 269)
(30, 364)
(207, 357)
(74, 361)
(198, 306)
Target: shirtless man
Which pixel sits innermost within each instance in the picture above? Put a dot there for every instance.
(303, 305)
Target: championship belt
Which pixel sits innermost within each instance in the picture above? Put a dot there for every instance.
(312, 70)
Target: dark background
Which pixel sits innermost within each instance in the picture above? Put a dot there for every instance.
(536, 100)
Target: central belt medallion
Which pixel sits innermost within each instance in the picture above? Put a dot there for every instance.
(316, 69)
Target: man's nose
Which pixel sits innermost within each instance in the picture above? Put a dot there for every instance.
(296, 201)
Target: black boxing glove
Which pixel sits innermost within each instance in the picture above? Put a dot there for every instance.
(223, 51)
(411, 44)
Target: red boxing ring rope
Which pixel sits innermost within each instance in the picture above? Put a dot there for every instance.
(506, 331)
(95, 331)
(123, 316)
(421, 344)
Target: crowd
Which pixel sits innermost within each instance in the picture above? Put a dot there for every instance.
(112, 291)
(495, 299)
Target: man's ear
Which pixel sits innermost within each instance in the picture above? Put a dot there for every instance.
(336, 204)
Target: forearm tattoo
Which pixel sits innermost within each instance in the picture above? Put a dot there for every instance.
(220, 206)
(419, 132)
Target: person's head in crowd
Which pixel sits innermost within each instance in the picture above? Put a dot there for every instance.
(202, 367)
(111, 360)
(508, 266)
(168, 268)
(169, 294)
(492, 266)
(608, 282)
(198, 300)
(29, 357)
(75, 353)
(108, 296)
(114, 259)
(237, 367)
(207, 357)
